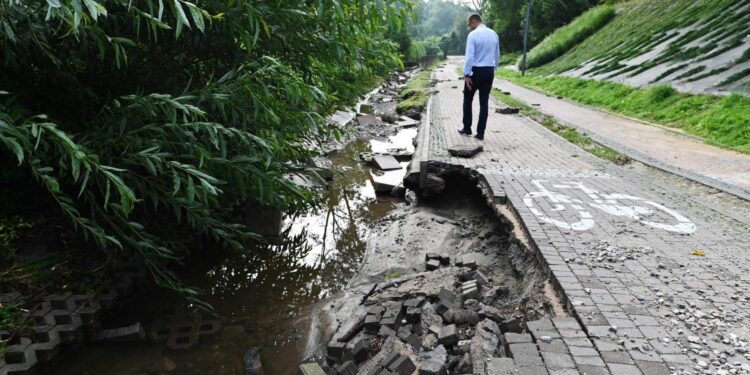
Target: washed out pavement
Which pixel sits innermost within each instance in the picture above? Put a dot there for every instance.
(658, 282)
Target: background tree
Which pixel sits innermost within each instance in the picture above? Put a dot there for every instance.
(507, 18)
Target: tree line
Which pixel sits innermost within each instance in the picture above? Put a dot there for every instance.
(441, 24)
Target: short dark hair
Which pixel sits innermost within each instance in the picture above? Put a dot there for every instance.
(475, 17)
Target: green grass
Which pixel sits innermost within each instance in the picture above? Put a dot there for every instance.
(566, 37)
(722, 121)
(641, 25)
(415, 94)
(567, 132)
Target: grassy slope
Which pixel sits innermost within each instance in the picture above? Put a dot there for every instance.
(643, 24)
(723, 121)
(570, 35)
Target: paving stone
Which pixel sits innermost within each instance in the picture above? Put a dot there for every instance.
(448, 335)
(528, 360)
(578, 341)
(617, 357)
(386, 162)
(522, 349)
(403, 365)
(543, 324)
(432, 265)
(516, 338)
(501, 366)
(347, 368)
(566, 323)
(593, 370)
(133, 332)
(533, 370)
(465, 151)
(588, 360)
(618, 369)
(582, 351)
(652, 368)
(430, 367)
(557, 360)
(555, 345)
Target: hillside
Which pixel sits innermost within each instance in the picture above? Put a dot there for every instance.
(700, 47)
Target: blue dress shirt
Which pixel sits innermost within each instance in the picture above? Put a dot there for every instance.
(482, 49)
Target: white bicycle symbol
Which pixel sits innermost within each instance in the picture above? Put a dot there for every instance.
(652, 214)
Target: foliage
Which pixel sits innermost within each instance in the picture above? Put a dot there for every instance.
(437, 18)
(149, 125)
(507, 17)
(11, 230)
(720, 120)
(566, 37)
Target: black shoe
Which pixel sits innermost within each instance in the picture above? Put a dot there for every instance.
(479, 137)
(464, 131)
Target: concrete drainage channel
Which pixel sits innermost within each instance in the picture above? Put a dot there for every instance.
(469, 297)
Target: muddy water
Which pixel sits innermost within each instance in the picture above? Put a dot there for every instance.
(266, 295)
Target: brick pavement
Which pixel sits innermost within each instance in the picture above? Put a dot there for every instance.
(618, 247)
(663, 148)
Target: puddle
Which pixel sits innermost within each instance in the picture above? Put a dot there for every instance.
(264, 296)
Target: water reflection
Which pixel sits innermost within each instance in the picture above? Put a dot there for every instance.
(264, 294)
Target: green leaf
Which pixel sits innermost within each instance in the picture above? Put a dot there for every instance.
(182, 19)
(197, 17)
(54, 3)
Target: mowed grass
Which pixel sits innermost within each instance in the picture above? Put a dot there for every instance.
(641, 25)
(722, 121)
(568, 36)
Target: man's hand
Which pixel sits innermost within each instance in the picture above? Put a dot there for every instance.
(469, 82)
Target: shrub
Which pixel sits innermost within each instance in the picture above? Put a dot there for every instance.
(147, 127)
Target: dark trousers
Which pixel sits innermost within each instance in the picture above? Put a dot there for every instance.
(483, 78)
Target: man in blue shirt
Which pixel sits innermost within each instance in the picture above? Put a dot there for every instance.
(482, 57)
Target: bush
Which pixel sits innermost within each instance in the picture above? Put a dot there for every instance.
(150, 127)
(566, 37)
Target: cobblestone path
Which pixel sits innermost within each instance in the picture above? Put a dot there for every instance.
(658, 282)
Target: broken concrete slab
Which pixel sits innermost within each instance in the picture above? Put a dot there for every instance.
(386, 162)
(406, 122)
(465, 151)
(310, 369)
(133, 332)
(253, 366)
(507, 110)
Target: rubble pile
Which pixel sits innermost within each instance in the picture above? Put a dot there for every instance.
(435, 322)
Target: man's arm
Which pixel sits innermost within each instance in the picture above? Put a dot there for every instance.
(469, 56)
(498, 53)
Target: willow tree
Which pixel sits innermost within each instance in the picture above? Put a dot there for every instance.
(144, 124)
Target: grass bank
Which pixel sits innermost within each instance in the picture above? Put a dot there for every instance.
(689, 32)
(568, 36)
(416, 93)
(722, 121)
(567, 132)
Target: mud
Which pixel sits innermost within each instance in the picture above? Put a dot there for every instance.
(457, 225)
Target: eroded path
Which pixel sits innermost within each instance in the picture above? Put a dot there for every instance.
(658, 281)
(665, 149)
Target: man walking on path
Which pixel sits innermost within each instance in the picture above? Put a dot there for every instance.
(482, 57)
